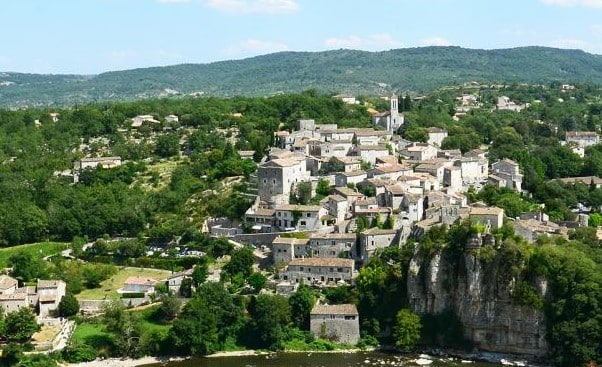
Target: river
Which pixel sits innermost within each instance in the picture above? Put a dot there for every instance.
(359, 359)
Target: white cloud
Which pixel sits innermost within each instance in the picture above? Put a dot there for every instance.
(373, 42)
(254, 6)
(435, 41)
(173, 1)
(252, 47)
(567, 3)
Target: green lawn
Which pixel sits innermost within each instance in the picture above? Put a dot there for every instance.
(110, 286)
(91, 334)
(150, 321)
(43, 248)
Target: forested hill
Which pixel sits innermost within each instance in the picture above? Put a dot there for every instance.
(340, 71)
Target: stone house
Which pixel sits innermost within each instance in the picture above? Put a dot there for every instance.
(413, 206)
(436, 136)
(174, 281)
(419, 152)
(321, 271)
(338, 208)
(491, 216)
(473, 169)
(301, 217)
(138, 284)
(452, 177)
(277, 177)
(372, 239)
(435, 169)
(350, 163)
(284, 139)
(331, 244)
(8, 285)
(582, 139)
(338, 148)
(390, 171)
(50, 293)
(260, 217)
(284, 249)
(508, 170)
(14, 301)
(394, 195)
(339, 323)
(369, 153)
(343, 178)
(530, 229)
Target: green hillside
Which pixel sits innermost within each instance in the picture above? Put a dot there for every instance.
(340, 71)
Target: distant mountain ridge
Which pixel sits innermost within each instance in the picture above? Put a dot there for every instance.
(340, 71)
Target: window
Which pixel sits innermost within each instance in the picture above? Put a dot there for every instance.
(308, 215)
(349, 317)
(302, 223)
(333, 243)
(340, 270)
(301, 269)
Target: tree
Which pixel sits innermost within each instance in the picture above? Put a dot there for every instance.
(390, 222)
(257, 281)
(20, 325)
(406, 332)
(241, 262)
(323, 187)
(301, 302)
(69, 306)
(270, 316)
(200, 273)
(26, 266)
(302, 193)
(170, 306)
(195, 331)
(167, 145)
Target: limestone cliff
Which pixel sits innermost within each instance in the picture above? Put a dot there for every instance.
(480, 295)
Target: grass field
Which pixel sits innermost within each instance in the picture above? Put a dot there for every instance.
(91, 334)
(43, 248)
(110, 286)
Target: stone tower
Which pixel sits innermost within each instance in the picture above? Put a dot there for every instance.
(395, 120)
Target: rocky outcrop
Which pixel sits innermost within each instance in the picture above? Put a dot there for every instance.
(480, 297)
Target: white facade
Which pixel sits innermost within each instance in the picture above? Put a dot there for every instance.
(276, 177)
(300, 217)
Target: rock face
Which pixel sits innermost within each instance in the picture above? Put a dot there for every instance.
(480, 297)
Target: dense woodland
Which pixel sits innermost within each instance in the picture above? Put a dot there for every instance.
(154, 207)
(348, 71)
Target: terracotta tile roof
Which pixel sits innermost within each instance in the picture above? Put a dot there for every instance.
(345, 309)
(48, 283)
(137, 280)
(7, 282)
(290, 241)
(302, 208)
(316, 261)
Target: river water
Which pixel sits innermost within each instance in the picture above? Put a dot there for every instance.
(359, 359)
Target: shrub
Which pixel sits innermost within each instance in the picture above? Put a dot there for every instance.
(79, 353)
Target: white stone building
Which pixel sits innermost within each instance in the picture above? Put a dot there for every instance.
(321, 271)
(277, 177)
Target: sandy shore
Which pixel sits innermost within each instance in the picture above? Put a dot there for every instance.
(118, 362)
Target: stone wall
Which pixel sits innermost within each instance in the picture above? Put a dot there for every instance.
(492, 320)
(337, 329)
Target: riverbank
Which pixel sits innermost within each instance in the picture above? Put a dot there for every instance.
(127, 362)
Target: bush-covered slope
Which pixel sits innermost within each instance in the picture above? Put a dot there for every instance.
(346, 71)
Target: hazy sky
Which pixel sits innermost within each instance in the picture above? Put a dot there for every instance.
(92, 36)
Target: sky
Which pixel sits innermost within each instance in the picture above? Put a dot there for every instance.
(94, 36)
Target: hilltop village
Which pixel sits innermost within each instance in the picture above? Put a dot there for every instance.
(304, 222)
